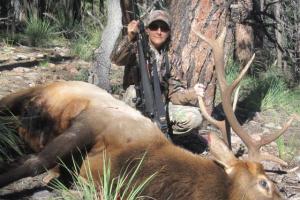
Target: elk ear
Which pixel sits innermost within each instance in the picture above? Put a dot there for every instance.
(222, 154)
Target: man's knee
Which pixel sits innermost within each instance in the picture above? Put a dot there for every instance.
(195, 119)
(185, 118)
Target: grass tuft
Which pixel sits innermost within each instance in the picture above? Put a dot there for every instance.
(85, 43)
(38, 32)
(266, 91)
(9, 140)
(122, 187)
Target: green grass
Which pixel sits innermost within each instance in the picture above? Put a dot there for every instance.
(281, 147)
(277, 92)
(57, 28)
(38, 32)
(44, 63)
(122, 187)
(85, 43)
(9, 140)
(287, 147)
(84, 37)
(82, 76)
(266, 91)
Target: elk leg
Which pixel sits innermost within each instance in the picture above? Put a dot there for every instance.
(77, 137)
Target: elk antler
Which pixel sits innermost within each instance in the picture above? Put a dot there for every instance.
(226, 91)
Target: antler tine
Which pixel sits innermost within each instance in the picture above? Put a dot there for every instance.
(226, 93)
(243, 72)
(205, 113)
(266, 140)
(218, 124)
(216, 45)
(266, 156)
(222, 36)
(269, 138)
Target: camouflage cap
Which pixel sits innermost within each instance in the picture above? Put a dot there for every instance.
(157, 15)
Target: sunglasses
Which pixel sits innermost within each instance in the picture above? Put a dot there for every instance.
(155, 26)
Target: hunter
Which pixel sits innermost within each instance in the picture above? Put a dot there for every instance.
(181, 102)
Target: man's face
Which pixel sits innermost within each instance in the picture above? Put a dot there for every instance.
(158, 32)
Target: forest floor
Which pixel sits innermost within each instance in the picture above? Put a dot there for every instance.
(22, 67)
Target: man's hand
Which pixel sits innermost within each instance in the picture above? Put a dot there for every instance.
(132, 30)
(199, 89)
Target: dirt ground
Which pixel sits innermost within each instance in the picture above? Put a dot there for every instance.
(22, 67)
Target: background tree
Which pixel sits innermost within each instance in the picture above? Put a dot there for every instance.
(100, 68)
(196, 63)
(276, 26)
(241, 11)
(290, 21)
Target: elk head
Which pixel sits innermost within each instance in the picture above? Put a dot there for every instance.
(247, 178)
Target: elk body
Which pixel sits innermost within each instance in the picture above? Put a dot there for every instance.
(59, 118)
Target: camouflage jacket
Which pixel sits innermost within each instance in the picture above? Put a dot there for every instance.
(125, 53)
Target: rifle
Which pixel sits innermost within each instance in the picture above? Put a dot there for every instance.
(148, 97)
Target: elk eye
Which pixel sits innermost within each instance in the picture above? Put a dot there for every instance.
(263, 184)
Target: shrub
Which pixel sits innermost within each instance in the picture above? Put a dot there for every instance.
(85, 43)
(38, 32)
(267, 90)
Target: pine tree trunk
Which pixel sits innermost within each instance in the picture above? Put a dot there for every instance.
(4, 7)
(257, 31)
(77, 15)
(127, 14)
(41, 8)
(244, 39)
(195, 55)
(297, 48)
(278, 35)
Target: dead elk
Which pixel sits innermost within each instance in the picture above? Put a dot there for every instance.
(61, 117)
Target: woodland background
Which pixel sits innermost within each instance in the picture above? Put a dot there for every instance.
(89, 29)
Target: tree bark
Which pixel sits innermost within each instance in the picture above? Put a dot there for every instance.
(278, 35)
(244, 39)
(41, 8)
(4, 7)
(297, 48)
(127, 14)
(197, 65)
(257, 30)
(101, 6)
(77, 11)
(99, 72)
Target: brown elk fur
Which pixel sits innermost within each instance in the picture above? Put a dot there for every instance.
(58, 118)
